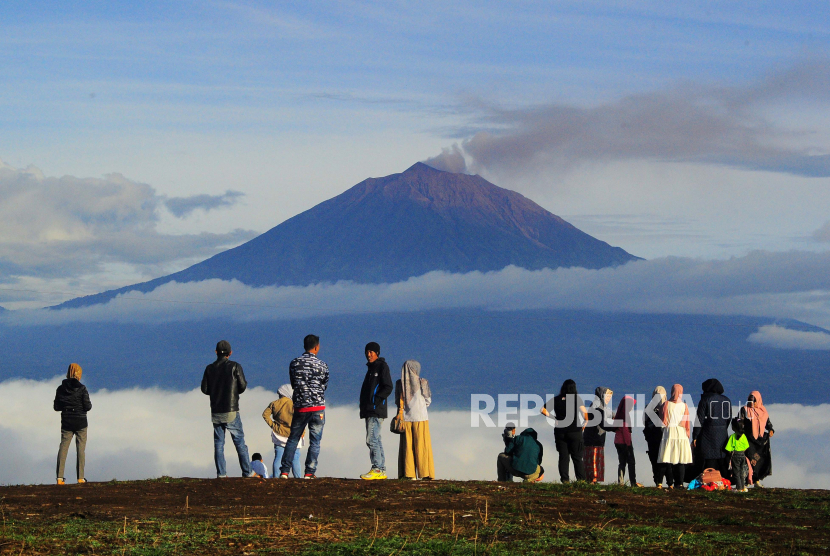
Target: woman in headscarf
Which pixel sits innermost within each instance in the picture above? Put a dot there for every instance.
(623, 442)
(413, 395)
(758, 429)
(278, 416)
(594, 435)
(675, 449)
(567, 408)
(72, 400)
(653, 431)
(714, 414)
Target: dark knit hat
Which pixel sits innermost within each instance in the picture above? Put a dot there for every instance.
(223, 347)
(373, 346)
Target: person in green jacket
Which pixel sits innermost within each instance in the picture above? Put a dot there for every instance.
(522, 458)
(737, 445)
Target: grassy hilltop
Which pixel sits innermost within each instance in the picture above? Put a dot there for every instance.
(352, 517)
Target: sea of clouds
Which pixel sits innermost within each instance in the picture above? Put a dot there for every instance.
(143, 433)
(791, 285)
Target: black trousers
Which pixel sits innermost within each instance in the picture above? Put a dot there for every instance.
(625, 455)
(569, 444)
(659, 470)
(678, 470)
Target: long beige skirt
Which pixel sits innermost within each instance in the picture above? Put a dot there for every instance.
(415, 453)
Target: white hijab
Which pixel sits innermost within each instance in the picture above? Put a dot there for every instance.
(285, 391)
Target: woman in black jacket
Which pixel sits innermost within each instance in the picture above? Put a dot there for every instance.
(72, 400)
(714, 414)
(568, 407)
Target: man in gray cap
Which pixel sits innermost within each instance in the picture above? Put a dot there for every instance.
(223, 381)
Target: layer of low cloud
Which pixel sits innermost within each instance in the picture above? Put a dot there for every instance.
(785, 338)
(144, 433)
(68, 227)
(716, 124)
(793, 285)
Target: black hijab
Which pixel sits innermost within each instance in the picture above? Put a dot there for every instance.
(712, 386)
(568, 387)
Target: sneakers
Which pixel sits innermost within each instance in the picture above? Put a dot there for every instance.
(254, 475)
(81, 481)
(541, 475)
(373, 475)
(283, 475)
(310, 476)
(61, 481)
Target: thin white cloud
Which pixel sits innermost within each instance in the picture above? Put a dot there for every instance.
(785, 338)
(143, 433)
(792, 285)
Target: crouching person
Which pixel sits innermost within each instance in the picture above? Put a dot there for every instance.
(522, 458)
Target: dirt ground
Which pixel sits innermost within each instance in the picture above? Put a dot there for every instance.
(339, 516)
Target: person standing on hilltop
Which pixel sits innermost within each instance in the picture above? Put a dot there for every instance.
(653, 432)
(223, 381)
(567, 408)
(758, 429)
(309, 378)
(278, 416)
(675, 448)
(711, 430)
(413, 397)
(377, 385)
(600, 422)
(72, 400)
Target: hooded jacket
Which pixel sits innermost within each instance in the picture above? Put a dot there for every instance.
(377, 385)
(526, 452)
(223, 381)
(72, 400)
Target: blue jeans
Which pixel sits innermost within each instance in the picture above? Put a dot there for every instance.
(296, 468)
(315, 421)
(375, 445)
(238, 437)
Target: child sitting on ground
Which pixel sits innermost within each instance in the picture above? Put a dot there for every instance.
(259, 467)
(737, 446)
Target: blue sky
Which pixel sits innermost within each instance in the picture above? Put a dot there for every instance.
(262, 110)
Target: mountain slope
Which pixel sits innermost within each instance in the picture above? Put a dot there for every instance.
(392, 228)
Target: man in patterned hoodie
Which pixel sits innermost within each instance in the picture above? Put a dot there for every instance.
(309, 378)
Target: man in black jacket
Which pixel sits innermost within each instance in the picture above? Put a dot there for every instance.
(223, 381)
(376, 388)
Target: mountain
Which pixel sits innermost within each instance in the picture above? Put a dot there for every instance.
(392, 228)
